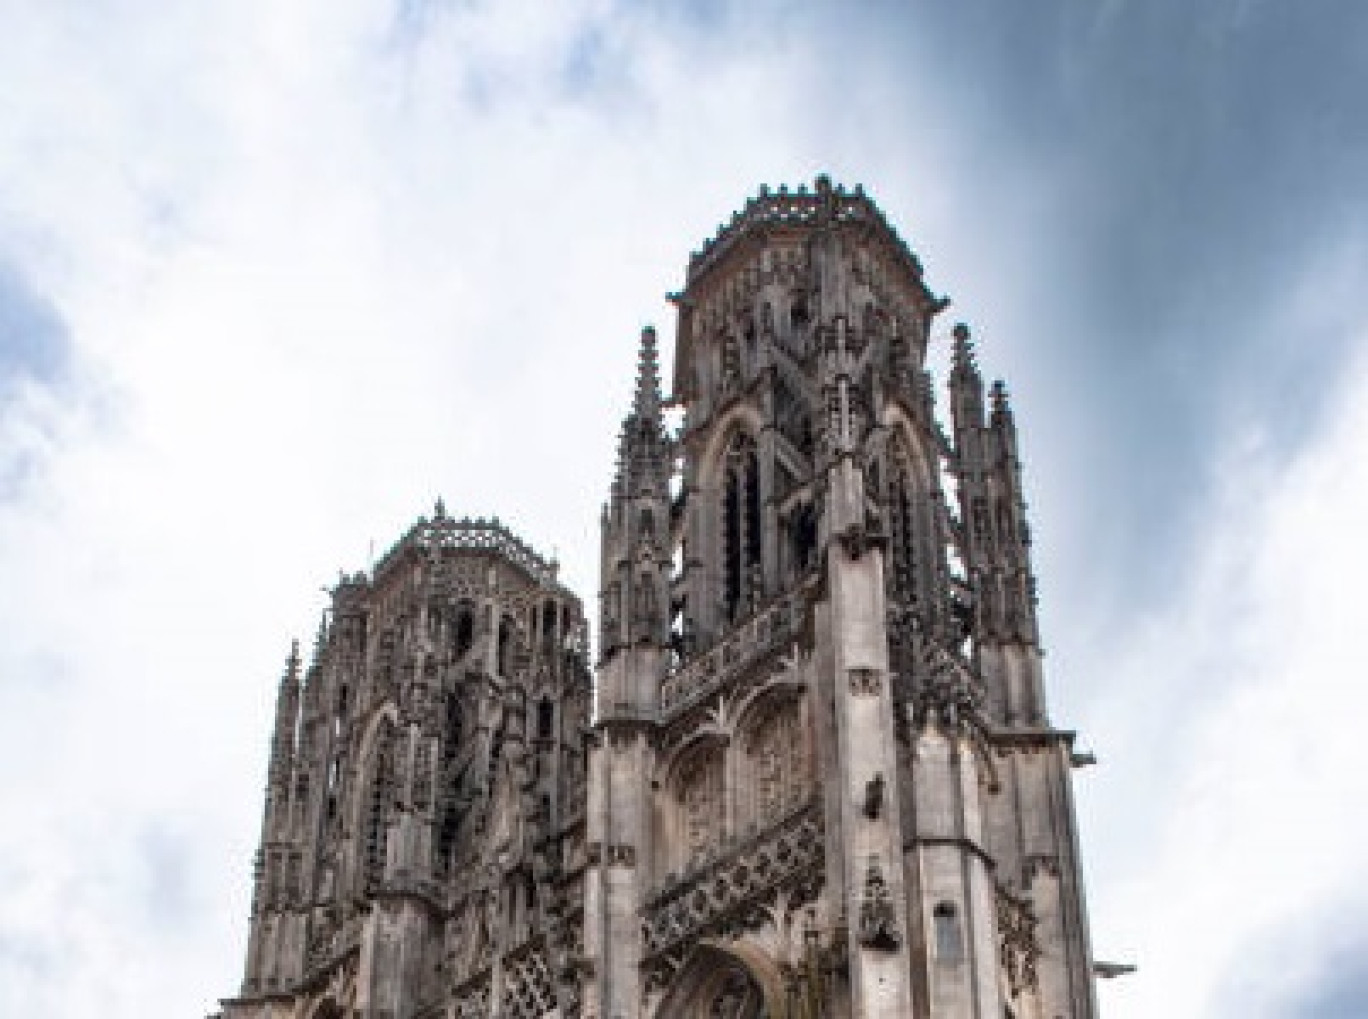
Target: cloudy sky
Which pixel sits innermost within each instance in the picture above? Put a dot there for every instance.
(274, 276)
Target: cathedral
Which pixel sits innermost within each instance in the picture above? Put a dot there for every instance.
(807, 770)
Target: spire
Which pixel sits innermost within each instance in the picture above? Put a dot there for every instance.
(287, 718)
(646, 406)
(643, 453)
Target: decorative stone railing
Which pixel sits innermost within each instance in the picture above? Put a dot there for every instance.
(730, 892)
(800, 208)
(444, 532)
(770, 628)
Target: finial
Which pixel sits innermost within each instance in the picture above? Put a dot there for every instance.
(999, 395)
(439, 510)
(823, 183)
(964, 347)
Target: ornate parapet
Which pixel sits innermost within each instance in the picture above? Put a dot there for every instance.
(803, 208)
(773, 627)
(443, 532)
(734, 892)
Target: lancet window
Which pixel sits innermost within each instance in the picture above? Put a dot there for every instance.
(908, 508)
(741, 521)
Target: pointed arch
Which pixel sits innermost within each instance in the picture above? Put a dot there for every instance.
(372, 798)
(737, 981)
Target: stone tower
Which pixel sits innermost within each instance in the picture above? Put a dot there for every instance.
(823, 781)
(426, 780)
(819, 780)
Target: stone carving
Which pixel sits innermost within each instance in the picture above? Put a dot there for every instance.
(878, 918)
(1019, 950)
(944, 690)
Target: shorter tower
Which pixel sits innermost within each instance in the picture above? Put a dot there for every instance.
(422, 849)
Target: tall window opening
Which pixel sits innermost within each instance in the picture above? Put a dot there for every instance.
(741, 527)
(505, 645)
(546, 719)
(731, 527)
(464, 636)
(377, 808)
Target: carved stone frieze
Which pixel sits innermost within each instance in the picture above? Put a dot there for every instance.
(734, 893)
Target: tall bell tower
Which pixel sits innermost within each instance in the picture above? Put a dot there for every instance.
(822, 779)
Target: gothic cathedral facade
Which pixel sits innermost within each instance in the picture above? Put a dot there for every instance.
(814, 775)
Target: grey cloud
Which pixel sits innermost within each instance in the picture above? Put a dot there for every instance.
(34, 340)
(1271, 978)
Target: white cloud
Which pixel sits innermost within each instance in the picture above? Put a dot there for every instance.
(321, 263)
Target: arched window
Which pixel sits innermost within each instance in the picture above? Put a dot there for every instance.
(949, 946)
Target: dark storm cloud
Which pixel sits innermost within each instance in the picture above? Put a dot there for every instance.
(1196, 161)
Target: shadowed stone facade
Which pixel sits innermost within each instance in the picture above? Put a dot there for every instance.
(819, 779)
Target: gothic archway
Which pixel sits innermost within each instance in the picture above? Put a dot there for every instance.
(718, 985)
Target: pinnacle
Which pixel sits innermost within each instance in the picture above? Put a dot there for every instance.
(646, 406)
